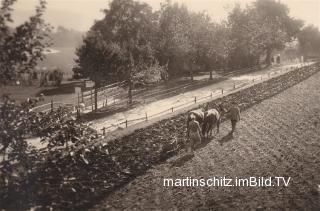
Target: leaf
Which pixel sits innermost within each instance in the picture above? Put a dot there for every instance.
(84, 159)
(127, 171)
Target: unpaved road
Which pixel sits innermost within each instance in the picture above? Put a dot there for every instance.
(185, 99)
(278, 137)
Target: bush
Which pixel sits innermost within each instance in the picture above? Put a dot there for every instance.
(57, 76)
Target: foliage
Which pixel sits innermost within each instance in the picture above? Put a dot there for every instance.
(151, 74)
(258, 30)
(57, 76)
(23, 166)
(17, 157)
(63, 37)
(53, 77)
(119, 44)
(131, 38)
(174, 47)
(309, 40)
(23, 46)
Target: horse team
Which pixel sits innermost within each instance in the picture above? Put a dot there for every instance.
(201, 122)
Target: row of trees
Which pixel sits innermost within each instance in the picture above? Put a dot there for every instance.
(131, 38)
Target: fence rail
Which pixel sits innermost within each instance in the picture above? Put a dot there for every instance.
(214, 93)
(117, 97)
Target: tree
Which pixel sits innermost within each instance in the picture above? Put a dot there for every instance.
(276, 26)
(27, 172)
(16, 154)
(209, 42)
(120, 45)
(174, 47)
(23, 46)
(57, 76)
(245, 46)
(309, 41)
(258, 30)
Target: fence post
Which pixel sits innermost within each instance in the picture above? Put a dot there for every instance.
(195, 99)
(126, 123)
(234, 86)
(78, 113)
(253, 80)
(211, 94)
(81, 97)
(104, 131)
(78, 98)
(172, 109)
(146, 116)
(221, 91)
(91, 99)
(51, 105)
(106, 101)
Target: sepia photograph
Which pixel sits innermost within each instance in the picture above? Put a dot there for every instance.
(160, 105)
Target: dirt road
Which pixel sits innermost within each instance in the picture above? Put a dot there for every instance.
(186, 99)
(279, 137)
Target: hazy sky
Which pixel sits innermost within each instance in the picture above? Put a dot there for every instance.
(80, 14)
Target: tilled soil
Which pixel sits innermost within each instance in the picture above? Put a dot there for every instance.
(279, 137)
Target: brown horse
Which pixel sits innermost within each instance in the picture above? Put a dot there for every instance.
(212, 118)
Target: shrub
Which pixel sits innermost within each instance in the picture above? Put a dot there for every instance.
(57, 76)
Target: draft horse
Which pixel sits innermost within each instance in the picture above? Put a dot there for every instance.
(212, 118)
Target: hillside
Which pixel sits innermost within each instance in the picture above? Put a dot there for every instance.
(62, 55)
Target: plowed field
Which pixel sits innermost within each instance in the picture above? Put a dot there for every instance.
(278, 137)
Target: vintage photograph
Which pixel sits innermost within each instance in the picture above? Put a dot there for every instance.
(160, 105)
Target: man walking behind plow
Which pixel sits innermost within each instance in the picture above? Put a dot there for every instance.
(234, 115)
(195, 134)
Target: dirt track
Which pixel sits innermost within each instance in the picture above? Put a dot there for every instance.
(278, 137)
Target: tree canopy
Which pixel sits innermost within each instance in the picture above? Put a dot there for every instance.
(21, 47)
(309, 40)
(131, 37)
(119, 44)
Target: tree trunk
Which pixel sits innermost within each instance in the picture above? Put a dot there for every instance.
(130, 91)
(268, 57)
(191, 75)
(95, 97)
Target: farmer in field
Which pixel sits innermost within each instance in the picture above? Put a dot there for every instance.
(195, 132)
(199, 117)
(234, 115)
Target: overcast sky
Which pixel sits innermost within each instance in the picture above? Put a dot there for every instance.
(80, 14)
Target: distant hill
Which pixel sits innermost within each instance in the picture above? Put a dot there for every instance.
(64, 37)
(62, 52)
